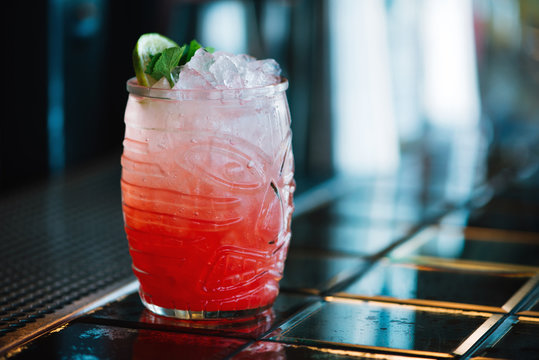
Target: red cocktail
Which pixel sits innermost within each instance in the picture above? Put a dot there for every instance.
(207, 185)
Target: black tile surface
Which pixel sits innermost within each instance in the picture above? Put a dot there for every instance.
(514, 209)
(90, 341)
(394, 270)
(316, 272)
(130, 312)
(359, 238)
(519, 343)
(454, 282)
(507, 247)
(382, 326)
(276, 350)
(440, 282)
(379, 203)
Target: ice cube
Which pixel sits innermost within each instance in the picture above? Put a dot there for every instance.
(161, 84)
(192, 79)
(262, 73)
(241, 61)
(201, 63)
(267, 66)
(226, 73)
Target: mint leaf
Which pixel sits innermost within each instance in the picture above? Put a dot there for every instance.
(151, 64)
(162, 64)
(193, 47)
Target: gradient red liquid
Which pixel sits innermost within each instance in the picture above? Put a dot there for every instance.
(207, 214)
(197, 269)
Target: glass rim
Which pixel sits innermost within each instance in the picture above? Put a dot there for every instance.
(206, 94)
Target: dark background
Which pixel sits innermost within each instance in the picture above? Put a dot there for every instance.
(85, 46)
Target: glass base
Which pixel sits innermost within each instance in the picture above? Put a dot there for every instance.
(203, 315)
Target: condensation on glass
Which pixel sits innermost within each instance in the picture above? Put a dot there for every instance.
(207, 186)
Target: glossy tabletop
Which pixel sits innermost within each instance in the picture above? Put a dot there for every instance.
(380, 272)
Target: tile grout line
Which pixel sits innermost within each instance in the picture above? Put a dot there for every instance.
(420, 303)
(482, 338)
(366, 349)
(354, 275)
(310, 307)
(469, 345)
(523, 296)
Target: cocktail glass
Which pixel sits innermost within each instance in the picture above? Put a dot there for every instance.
(207, 186)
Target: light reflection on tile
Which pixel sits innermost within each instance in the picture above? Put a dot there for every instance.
(532, 309)
(130, 311)
(388, 204)
(90, 341)
(363, 239)
(452, 242)
(316, 272)
(501, 235)
(282, 351)
(432, 282)
(389, 326)
(519, 343)
(535, 307)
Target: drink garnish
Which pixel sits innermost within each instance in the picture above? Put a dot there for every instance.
(162, 64)
(156, 56)
(148, 45)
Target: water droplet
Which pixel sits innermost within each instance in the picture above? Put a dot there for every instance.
(196, 213)
(193, 140)
(250, 164)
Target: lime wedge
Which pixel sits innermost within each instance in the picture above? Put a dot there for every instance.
(148, 44)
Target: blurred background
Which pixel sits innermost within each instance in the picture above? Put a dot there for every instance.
(370, 81)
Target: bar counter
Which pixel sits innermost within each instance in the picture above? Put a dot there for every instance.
(438, 260)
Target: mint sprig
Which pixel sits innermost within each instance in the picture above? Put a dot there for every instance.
(162, 64)
(166, 62)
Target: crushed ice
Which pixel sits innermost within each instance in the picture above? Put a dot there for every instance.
(222, 70)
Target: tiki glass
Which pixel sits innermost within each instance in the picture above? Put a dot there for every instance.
(207, 185)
